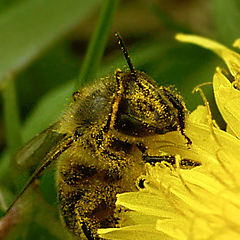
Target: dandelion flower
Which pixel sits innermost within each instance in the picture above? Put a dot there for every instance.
(202, 202)
(226, 86)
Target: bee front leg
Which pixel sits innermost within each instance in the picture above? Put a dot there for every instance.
(171, 160)
(116, 99)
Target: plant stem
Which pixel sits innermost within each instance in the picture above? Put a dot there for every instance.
(98, 42)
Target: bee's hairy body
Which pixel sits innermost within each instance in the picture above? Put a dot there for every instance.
(87, 186)
(108, 123)
(102, 143)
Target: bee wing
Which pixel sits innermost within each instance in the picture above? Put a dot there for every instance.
(53, 145)
(34, 151)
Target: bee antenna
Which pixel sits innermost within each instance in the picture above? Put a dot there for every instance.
(125, 53)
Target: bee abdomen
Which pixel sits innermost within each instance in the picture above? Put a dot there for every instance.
(67, 202)
(87, 199)
(87, 208)
(77, 173)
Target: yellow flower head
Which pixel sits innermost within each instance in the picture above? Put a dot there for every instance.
(226, 86)
(202, 202)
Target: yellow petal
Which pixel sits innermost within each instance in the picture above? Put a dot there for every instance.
(237, 43)
(145, 203)
(199, 115)
(228, 101)
(173, 228)
(135, 232)
(231, 58)
(204, 145)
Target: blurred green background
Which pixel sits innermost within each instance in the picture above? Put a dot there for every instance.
(43, 46)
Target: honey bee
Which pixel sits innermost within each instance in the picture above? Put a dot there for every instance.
(101, 145)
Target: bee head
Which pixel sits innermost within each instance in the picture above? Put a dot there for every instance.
(146, 108)
(131, 103)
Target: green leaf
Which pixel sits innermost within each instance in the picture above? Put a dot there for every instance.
(28, 27)
(11, 116)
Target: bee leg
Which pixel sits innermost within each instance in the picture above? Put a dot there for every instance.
(118, 77)
(158, 159)
(181, 122)
(117, 99)
(85, 224)
(176, 102)
(170, 159)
